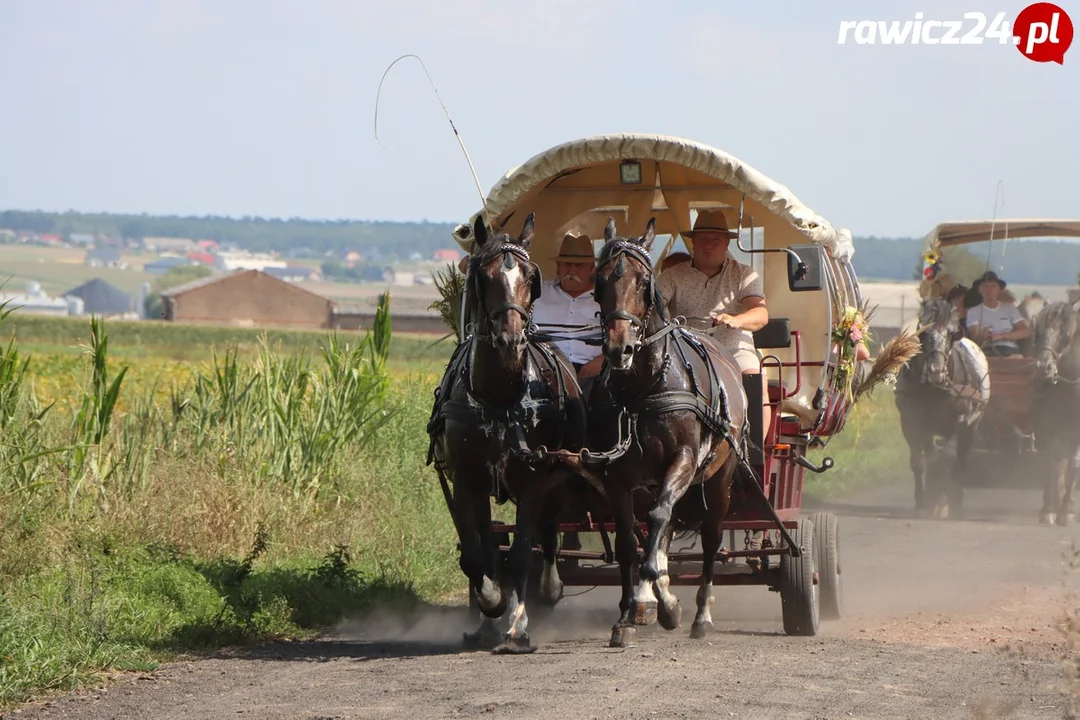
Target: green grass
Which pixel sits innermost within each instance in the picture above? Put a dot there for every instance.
(870, 451)
(130, 535)
(40, 334)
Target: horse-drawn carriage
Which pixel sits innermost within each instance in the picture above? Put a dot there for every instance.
(630, 189)
(1004, 449)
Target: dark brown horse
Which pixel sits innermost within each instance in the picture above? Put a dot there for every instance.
(678, 399)
(503, 394)
(940, 398)
(1055, 403)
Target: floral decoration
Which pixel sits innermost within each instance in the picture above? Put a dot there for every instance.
(853, 328)
(933, 264)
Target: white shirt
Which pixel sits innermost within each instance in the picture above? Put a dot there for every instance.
(555, 309)
(1001, 319)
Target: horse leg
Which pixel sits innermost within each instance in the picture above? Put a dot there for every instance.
(918, 461)
(938, 480)
(1062, 475)
(654, 598)
(1068, 509)
(1051, 483)
(965, 440)
(918, 452)
(551, 586)
(516, 640)
(479, 562)
(718, 494)
(623, 634)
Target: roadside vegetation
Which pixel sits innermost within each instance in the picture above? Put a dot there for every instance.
(166, 488)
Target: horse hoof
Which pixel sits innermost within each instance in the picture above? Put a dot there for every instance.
(1047, 518)
(698, 631)
(623, 636)
(515, 645)
(941, 512)
(669, 619)
(645, 612)
(1065, 520)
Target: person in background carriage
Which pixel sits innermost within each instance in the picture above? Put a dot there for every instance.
(566, 306)
(997, 326)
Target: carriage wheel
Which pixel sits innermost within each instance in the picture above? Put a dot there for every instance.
(798, 593)
(827, 562)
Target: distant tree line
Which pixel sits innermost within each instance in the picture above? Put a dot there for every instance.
(393, 239)
(876, 258)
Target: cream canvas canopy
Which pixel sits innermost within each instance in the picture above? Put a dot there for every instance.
(631, 177)
(949, 234)
(579, 183)
(962, 232)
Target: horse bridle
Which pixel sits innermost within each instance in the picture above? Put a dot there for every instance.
(652, 293)
(509, 251)
(936, 351)
(1055, 356)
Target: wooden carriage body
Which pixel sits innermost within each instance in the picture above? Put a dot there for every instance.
(577, 187)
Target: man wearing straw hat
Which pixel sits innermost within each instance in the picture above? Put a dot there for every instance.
(720, 295)
(566, 306)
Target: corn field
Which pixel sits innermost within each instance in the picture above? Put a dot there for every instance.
(78, 429)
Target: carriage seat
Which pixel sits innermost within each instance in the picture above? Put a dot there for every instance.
(776, 334)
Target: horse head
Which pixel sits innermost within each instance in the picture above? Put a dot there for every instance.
(1055, 333)
(937, 323)
(502, 284)
(626, 292)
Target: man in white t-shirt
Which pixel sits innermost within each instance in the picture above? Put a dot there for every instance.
(566, 306)
(995, 325)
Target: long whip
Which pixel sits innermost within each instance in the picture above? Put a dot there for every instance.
(476, 179)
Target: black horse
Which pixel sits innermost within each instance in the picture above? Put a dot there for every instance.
(502, 395)
(1055, 400)
(940, 397)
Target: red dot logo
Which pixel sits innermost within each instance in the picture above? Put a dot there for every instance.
(1043, 32)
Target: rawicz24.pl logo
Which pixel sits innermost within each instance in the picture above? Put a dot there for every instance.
(1042, 32)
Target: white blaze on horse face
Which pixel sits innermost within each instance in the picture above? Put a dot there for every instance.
(513, 279)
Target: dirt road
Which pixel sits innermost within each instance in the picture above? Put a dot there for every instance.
(943, 620)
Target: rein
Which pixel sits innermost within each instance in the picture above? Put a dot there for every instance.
(1055, 356)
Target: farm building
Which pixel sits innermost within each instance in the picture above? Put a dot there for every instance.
(291, 273)
(165, 264)
(101, 298)
(247, 297)
(105, 257)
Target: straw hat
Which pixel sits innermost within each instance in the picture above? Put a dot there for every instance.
(576, 248)
(712, 221)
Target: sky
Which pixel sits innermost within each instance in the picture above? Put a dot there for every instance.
(267, 107)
